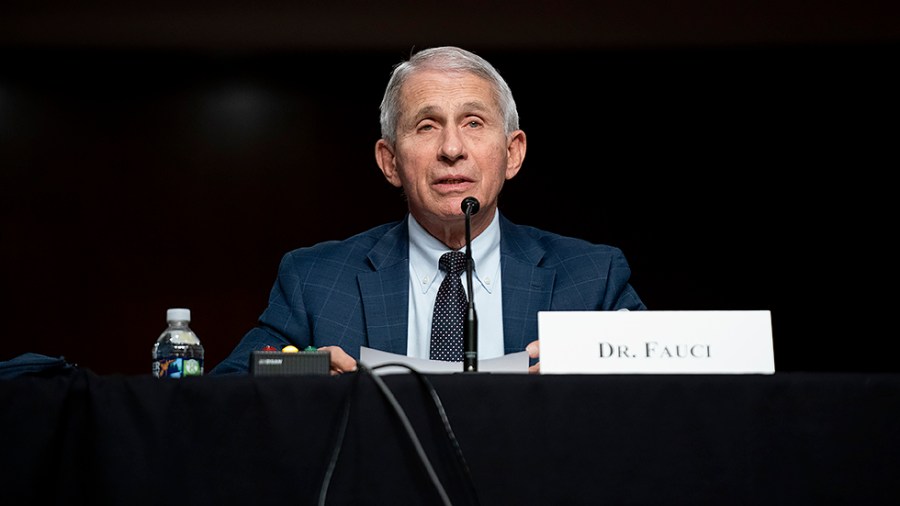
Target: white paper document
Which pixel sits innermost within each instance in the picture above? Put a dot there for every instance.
(512, 363)
(656, 342)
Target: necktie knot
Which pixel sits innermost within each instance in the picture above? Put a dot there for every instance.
(453, 263)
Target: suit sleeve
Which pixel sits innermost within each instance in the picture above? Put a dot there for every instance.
(620, 295)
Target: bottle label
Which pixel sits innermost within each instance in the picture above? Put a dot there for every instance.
(173, 367)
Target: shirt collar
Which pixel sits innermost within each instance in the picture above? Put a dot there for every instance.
(425, 252)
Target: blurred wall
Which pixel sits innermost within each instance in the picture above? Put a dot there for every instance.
(168, 156)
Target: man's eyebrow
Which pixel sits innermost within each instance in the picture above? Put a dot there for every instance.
(476, 105)
(428, 110)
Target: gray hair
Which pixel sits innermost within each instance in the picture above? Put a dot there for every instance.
(450, 59)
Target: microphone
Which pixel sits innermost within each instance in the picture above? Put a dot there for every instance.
(470, 206)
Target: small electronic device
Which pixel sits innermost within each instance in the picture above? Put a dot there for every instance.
(281, 363)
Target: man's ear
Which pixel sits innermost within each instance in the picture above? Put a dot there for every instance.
(387, 162)
(515, 153)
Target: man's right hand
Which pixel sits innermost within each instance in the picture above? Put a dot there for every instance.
(341, 362)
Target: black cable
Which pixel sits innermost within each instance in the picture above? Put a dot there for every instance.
(451, 436)
(338, 444)
(410, 431)
(401, 414)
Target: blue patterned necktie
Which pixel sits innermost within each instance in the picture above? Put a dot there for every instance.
(449, 311)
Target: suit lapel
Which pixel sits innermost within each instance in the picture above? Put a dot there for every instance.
(527, 287)
(385, 291)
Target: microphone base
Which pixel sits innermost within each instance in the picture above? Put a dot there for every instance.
(470, 361)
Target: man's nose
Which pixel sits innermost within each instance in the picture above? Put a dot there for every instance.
(452, 146)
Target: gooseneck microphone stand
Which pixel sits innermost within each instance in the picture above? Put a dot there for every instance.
(470, 206)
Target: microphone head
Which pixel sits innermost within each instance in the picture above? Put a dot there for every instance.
(470, 205)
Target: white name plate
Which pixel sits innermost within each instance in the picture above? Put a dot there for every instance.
(656, 342)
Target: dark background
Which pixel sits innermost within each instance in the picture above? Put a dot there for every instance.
(151, 157)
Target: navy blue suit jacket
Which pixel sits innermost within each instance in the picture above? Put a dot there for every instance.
(355, 292)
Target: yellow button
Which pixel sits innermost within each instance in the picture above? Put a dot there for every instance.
(290, 349)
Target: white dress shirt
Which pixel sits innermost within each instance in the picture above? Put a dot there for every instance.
(425, 278)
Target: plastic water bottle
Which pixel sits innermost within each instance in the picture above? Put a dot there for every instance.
(178, 352)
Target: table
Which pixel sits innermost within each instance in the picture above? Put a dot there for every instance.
(787, 438)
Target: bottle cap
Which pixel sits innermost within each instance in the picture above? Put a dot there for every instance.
(178, 315)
